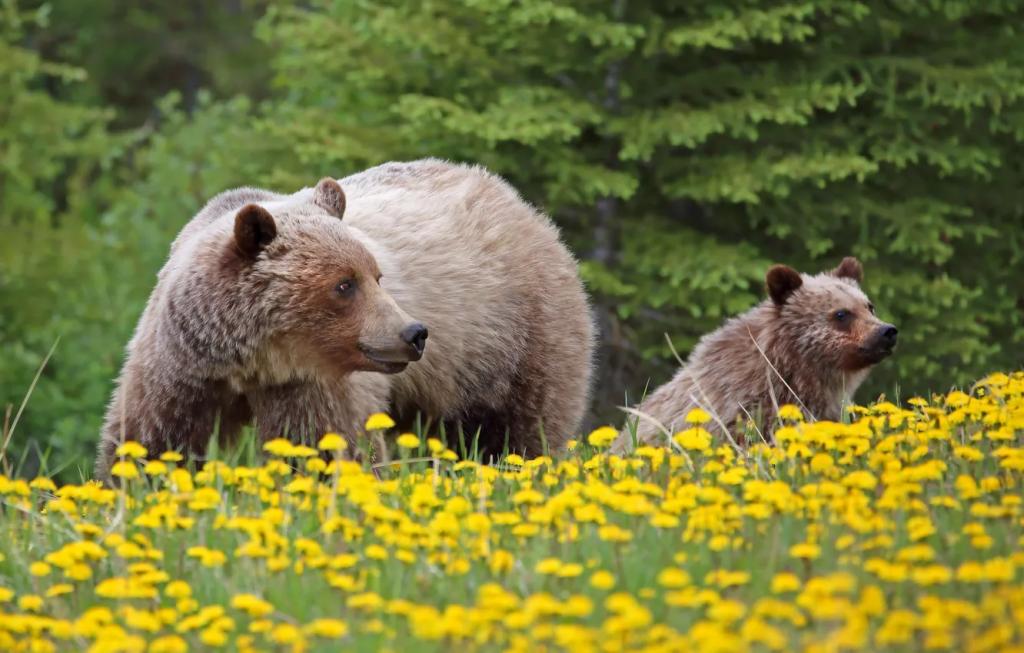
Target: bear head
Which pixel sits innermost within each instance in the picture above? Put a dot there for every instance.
(828, 319)
(320, 286)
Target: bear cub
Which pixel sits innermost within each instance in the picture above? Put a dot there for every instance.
(811, 343)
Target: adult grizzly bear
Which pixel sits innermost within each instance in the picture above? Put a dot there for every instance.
(273, 309)
(811, 343)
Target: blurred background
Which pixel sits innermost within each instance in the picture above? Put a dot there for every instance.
(681, 146)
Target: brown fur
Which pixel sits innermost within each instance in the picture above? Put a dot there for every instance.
(818, 359)
(511, 336)
(246, 321)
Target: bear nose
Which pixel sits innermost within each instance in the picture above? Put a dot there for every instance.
(415, 335)
(889, 334)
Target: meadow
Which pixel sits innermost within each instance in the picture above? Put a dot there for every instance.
(899, 530)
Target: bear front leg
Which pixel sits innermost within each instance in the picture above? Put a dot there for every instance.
(175, 415)
(303, 411)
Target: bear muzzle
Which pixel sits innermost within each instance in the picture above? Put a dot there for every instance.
(881, 343)
(393, 358)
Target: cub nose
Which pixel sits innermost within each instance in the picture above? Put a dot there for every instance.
(889, 334)
(415, 335)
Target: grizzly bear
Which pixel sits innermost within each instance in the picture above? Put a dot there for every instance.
(278, 310)
(811, 343)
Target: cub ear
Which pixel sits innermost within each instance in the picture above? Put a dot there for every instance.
(254, 229)
(782, 280)
(849, 268)
(329, 197)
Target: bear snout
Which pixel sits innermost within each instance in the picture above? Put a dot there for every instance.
(883, 340)
(415, 335)
(889, 334)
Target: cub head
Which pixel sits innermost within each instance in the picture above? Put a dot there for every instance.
(830, 319)
(322, 286)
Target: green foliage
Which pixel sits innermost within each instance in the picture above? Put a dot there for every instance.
(682, 147)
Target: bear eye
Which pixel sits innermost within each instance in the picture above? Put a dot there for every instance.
(346, 287)
(871, 307)
(840, 315)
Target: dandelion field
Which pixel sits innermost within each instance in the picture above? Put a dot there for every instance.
(898, 531)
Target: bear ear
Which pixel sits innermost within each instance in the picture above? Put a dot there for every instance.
(782, 280)
(849, 268)
(254, 229)
(329, 197)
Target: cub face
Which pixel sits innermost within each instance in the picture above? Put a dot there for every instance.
(830, 317)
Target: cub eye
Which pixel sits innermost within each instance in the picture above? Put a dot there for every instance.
(840, 315)
(871, 307)
(346, 287)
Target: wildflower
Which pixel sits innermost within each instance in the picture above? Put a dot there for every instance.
(252, 605)
(131, 450)
(327, 628)
(168, 644)
(602, 580)
(39, 569)
(171, 457)
(177, 589)
(155, 468)
(805, 550)
(43, 483)
(332, 442)
(785, 582)
(693, 439)
(124, 469)
(407, 441)
(501, 561)
(30, 603)
(379, 422)
(673, 578)
(602, 437)
(59, 590)
(697, 416)
(790, 413)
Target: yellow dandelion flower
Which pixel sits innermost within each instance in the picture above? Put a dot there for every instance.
(125, 469)
(251, 604)
(168, 644)
(278, 447)
(407, 441)
(59, 589)
(697, 416)
(514, 459)
(332, 442)
(602, 580)
(177, 589)
(695, 439)
(602, 437)
(790, 413)
(501, 561)
(327, 628)
(785, 582)
(39, 569)
(132, 450)
(30, 603)
(805, 550)
(379, 422)
(673, 578)
(43, 483)
(548, 566)
(171, 457)
(155, 468)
